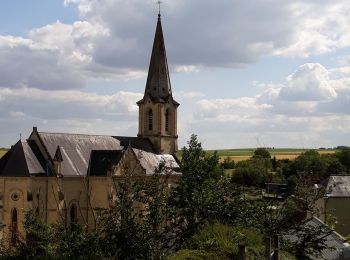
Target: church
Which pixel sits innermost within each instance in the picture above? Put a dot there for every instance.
(64, 177)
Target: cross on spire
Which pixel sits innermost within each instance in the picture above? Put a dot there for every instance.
(159, 3)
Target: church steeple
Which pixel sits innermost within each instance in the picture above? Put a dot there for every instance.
(157, 108)
(158, 86)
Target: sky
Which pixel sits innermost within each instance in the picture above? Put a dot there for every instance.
(247, 73)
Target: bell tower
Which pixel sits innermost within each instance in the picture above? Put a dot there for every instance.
(157, 108)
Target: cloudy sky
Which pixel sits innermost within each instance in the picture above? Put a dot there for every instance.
(247, 73)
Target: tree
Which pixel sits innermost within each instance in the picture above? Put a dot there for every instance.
(37, 240)
(309, 165)
(228, 163)
(261, 153)
(139, 224)
(254, 172)
(199, 170)
(344, 158)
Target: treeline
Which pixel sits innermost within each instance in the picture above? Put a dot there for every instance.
(206, 216)
(311, 167)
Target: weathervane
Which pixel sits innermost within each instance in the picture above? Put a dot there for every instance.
(159, 3)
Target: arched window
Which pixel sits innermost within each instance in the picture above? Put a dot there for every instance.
(14, 227)
(73, 214)
(167, 120)
(150, 120)
(14, 219)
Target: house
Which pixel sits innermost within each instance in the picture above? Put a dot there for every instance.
(336, 202)
(338, 248)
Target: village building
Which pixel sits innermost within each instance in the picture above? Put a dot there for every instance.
(64, 177)
(336, 202)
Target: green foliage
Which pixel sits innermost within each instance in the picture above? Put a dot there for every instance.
(255, 172)
(222, 242)
(199, 171)
(188, 254)
(228, 163)
(44, 241)
(261, 153)
(313, 167)
(76, 242)
(344, 158)
(38, 238)
(310, 166)
(134, 227)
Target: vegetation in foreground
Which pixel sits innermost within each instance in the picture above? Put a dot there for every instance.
(209, 215)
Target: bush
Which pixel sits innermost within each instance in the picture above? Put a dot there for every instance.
(223, 240)
(261, 153)
(255, 172)
(228, 163)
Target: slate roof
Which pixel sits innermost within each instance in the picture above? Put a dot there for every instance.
(20, 161)
(158, 86)
(76, 149)
(136, 142)
(337, 186)
(151, 161)
(338, 247)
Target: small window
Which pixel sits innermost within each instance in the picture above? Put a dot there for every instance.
(14, 218)
(29, 196)
(167, 120)
(150, 120)
(73, 214)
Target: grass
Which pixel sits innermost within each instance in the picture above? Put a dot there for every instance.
(279, 153)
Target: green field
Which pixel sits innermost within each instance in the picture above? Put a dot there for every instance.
(279, 153)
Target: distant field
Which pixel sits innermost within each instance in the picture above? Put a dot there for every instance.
(279, 153)
(2, 152)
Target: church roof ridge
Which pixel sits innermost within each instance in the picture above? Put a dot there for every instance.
(58, 133)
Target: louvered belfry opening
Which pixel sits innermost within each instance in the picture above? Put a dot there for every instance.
(150, 120)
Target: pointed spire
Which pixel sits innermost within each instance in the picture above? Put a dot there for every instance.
(58, 155)
(158, 81)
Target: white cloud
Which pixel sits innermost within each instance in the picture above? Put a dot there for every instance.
(309, 105)
(310, 82)
(69, 104)
(66, 111)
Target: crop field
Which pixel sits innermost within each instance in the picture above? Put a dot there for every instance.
(2, 152)
(279, 153)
